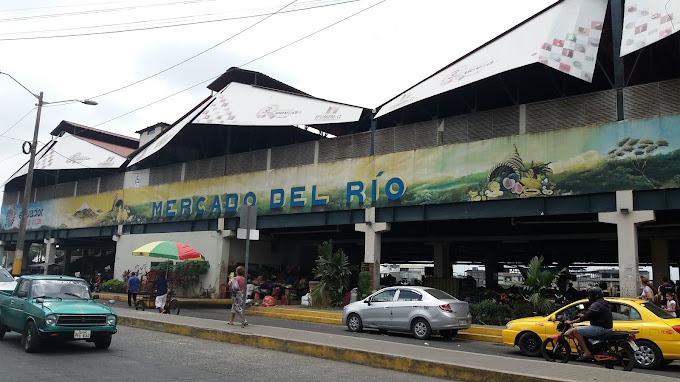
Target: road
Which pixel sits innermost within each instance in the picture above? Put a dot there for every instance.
(673, 370)
(142, 355)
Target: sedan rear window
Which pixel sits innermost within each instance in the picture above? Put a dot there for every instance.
(436, 293)
(656, 310)
(5, 276)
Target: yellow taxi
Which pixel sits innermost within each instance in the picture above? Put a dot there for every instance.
(658, 332)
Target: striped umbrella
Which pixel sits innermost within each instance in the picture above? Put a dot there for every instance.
(168, 250)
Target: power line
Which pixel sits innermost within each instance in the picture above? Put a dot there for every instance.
(196, 55)
(17, 122)
(153, 27)
(249, 62)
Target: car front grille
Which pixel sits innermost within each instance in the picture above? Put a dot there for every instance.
(81, 320)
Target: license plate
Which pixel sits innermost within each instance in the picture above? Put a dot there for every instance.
(80, 334)
(633, 345)
(462, 322)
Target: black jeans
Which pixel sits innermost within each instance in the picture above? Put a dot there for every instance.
(132, 296)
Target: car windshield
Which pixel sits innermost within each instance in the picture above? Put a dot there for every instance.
(438, 294)
(5, 277)
(656, 310)
(64, 289)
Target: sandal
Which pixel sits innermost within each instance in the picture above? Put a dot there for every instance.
(245, 323)
(230, 323)
(586, 358)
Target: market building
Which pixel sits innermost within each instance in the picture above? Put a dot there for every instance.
(559, 138)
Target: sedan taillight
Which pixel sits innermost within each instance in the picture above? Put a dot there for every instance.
(447, 308)
(677, 328)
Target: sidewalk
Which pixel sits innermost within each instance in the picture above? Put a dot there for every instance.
(485, 333)
(416, 359)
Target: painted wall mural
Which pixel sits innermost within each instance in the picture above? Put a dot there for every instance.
(639, 154)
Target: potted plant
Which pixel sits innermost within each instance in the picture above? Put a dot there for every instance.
(332, 271)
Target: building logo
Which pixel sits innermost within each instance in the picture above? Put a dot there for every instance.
(107, 163)
(331, 114)
(77, 158)
(273, 111)
(460, 74)
(405, 99)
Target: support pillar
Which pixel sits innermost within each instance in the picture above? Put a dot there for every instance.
(491, 270)
(67, 262)
(442, 260)
(372, 242)
(660, 263)
(50, 253)
(3, 260)
(626, 220)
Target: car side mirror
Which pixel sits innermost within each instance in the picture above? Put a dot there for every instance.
(22, 294)
(95, 297)
(551, 318)
(40, 300)
(367, 301)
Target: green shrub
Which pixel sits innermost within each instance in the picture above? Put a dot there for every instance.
(489, 312)
(114, 286)
(363, 285)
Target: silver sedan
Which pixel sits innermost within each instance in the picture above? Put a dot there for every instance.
(416, 309)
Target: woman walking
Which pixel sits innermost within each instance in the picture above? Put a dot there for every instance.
(237, 285)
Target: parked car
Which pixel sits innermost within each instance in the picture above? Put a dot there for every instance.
(658, 332)
(55, 308)
(416, 309)
(7, 281)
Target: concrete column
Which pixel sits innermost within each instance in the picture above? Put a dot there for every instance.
(660, 262)
(3, 260)
(491, 270)
(442, 260)
(372, 241)
(50, 252)
(227, 237)
(626, 220)
(67, 262)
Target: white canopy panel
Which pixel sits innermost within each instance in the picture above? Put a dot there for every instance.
(648, 21)
(565, 37)
(164, 139)
(69, 152)
(247, 105)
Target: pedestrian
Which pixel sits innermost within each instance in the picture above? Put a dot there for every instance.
(98, 282)
(161, 285)
(237, 286)
(132, 288)
(647, 291)
(671, 305)
(666, 287)
(571, 294)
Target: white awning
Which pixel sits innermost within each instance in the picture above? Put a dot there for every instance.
(248, 105)
(164, 139)
(645, 23)
(565, 37)
(69, 152)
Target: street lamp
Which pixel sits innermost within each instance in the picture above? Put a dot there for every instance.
(19, 252)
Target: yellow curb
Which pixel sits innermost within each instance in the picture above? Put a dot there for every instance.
(385, 361)
(479, 337)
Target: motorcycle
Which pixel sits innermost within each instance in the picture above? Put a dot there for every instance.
(615, 349)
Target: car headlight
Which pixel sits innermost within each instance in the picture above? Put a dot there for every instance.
(508, 325)
(110, 320)
(51, 319)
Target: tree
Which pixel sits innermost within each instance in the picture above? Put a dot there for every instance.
(333, 271)
(637, 152)
(537, 282)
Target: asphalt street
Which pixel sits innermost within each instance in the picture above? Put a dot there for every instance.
(143, 355)
(672, 370)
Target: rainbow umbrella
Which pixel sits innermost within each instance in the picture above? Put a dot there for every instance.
(168, 250)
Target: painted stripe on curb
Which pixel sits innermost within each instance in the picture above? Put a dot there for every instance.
(391, 362)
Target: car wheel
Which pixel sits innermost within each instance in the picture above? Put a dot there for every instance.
(102, 342)
(649, 355)
(174, 307)
(530, 344)
(3, 330)
(448, 334)
(354, 323)
(31, 339)
(421, 329)
(139, 305)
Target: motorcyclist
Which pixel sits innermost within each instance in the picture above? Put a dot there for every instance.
(600, 316)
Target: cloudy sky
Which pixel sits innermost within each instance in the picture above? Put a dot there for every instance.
(363, 60)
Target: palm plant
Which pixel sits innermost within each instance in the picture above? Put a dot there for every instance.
(537, 282)
(333, 271)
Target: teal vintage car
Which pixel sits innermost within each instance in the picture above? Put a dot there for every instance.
(55, 308)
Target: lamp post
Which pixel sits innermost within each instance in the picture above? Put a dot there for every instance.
(26, 197)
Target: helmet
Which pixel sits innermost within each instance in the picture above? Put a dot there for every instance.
(594, 293)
